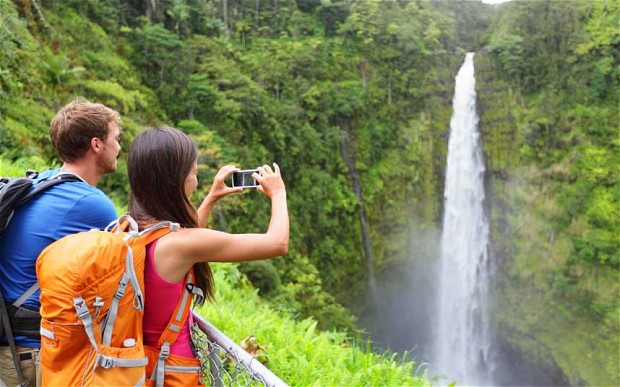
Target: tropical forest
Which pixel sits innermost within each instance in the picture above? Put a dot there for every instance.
(452, 170)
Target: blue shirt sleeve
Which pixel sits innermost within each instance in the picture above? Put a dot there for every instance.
(94, 210)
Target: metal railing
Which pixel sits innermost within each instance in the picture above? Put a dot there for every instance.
(226, 363)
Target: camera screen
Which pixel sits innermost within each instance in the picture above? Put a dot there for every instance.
(244, 179)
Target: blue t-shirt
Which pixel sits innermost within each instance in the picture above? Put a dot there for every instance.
(61, 210)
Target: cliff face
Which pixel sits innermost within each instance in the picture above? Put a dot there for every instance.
(545, 300)
(552, 310)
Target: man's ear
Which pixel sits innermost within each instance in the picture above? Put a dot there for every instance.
(96, 144)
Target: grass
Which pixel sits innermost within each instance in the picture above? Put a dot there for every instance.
(297, 352)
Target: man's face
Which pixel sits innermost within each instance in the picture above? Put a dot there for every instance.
(111, 149)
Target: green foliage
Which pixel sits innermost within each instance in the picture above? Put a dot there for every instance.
(20, 166)
(290, 98)
(26, 129)
(302, 293)
(115, 96)
(104, 13)
(562, 220)
(18, 72)
(263, 275)
(332, 14)
(58, 72)
(597, 49)
(298, 353)
(157, 53)
(509, 51)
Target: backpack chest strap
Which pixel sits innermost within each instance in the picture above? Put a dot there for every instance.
(81, 308)
(118, 296)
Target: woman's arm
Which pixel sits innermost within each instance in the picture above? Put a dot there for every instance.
(198, 245)
(176, 252)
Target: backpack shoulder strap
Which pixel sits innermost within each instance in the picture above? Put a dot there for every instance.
(157, 231)
(181, 311)
(48, 183)
(31, 290)
(5, 329)
(140, 240)
(177, 320)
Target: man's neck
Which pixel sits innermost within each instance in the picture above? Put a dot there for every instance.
(87, 173)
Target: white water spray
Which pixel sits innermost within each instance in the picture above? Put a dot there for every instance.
(462, 342)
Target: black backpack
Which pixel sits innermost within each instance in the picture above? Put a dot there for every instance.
(15, 191)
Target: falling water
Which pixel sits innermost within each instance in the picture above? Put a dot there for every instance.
(462, 341)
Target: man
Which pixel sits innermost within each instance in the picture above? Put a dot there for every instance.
(85, 136)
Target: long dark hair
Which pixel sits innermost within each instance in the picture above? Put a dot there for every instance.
(159, 161)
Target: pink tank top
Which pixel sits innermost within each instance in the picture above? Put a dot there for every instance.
(161, 298)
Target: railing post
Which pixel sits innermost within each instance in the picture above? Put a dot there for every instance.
(215, 365)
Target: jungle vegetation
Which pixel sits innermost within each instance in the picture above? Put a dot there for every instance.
(353, 100)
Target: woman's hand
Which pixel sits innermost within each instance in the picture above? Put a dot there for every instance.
(219, 189)
(270, 181)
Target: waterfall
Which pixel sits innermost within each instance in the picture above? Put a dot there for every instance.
(462, 339)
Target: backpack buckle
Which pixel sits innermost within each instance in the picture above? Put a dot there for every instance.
(164, 352)
(81, 309)
(196, 291)
(105, 362)
(120, 291)
(32, 174)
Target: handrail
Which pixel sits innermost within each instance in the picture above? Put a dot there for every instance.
(254, 367)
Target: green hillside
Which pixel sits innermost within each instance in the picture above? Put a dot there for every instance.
(353, 100)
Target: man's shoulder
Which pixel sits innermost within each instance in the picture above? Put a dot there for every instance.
(75, 197)
(81, 195)
(93, 196)
(79, 187)
(79, 207)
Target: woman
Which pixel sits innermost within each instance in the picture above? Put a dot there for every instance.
(162, 169)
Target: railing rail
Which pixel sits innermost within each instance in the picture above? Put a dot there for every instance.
(231, 365)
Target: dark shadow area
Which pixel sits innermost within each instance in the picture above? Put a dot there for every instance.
(401, 317)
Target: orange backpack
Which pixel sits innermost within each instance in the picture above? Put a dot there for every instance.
(164, 368)
(92, 304)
